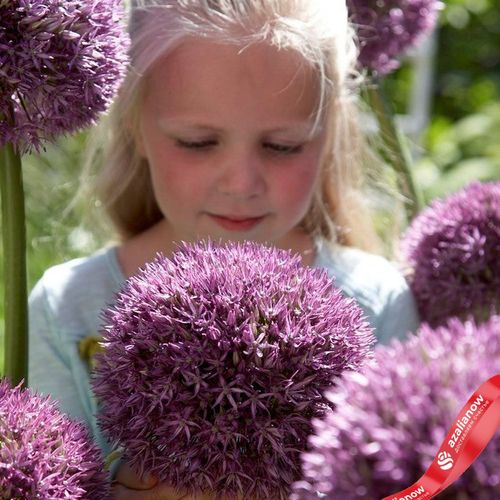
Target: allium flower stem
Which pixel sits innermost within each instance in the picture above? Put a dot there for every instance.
(395, 151)
(14, 247)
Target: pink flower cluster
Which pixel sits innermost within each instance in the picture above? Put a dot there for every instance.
(386, 29)
(61, 62)
(45, 455)
(216, 361)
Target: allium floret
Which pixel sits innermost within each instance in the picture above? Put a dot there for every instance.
(386, 29)
(43, 454)
(391, 420)
(216, 360)
(61, 62)
(453, 251)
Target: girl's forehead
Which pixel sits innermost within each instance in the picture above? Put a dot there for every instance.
(202, 68)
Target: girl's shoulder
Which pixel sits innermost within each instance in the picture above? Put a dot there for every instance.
(77, 290)
(355, 267)
(377, 284)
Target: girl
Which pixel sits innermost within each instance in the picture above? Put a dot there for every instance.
(237, 121)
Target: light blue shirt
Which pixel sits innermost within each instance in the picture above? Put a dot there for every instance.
(66, 306)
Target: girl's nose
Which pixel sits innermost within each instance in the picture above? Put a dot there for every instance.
(241, 175)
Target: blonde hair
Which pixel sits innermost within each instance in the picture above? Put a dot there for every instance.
(316, 29)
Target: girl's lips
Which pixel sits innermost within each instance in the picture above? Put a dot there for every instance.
(237, 223)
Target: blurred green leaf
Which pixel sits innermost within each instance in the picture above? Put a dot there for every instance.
(482, 169)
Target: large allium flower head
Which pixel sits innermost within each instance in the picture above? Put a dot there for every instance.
(61, 62)
(453, 251)
(216, 360)
(43, 454)
(390, 420)
(386, 29)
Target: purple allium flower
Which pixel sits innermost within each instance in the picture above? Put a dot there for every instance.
(43, 454)
(61, 62)
(388, 28)
(215, 362)
(390, 420)
(453, 250)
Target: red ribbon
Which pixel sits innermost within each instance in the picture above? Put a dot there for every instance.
(473, 429)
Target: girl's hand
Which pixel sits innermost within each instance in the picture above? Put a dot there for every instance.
(129, 486)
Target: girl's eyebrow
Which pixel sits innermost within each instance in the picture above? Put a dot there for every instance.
(187, 124)
(302, 128)
(299, 128)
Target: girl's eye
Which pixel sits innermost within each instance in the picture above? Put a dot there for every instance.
(283, 149)
(196, 145)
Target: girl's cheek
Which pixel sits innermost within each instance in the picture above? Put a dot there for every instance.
(306, 169)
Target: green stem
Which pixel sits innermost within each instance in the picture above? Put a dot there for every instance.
(395, 149)
(14, 247)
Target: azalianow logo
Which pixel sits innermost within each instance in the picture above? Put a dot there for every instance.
(445, 461)
(414, 494)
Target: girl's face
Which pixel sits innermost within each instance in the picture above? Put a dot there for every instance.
(226, 132)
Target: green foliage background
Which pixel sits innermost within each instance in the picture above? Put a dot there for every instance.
(462, 142)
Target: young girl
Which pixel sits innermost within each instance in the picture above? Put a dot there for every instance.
(237, 122)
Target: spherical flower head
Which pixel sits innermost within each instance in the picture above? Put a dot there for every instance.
(453, 251)
(61, 62)
(43, 454)
(386, 29)
(391, 420)
(216, 360)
